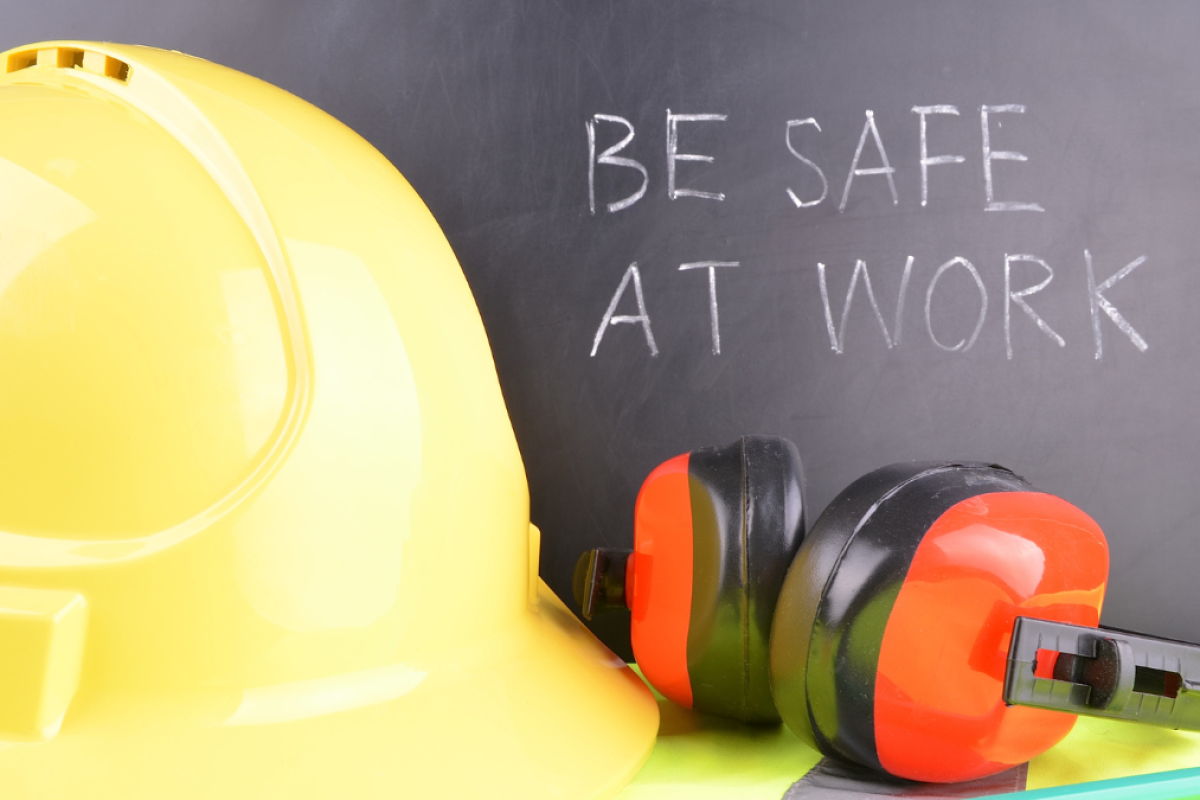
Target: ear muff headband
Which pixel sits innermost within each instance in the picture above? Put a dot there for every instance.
(747, 524)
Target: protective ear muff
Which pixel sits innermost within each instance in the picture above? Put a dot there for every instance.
(891, 640)
(714, 532)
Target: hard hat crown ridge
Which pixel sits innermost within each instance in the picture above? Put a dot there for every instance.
(256, 471)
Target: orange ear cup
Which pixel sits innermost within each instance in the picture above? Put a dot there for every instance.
(714, 531)
(891, 636)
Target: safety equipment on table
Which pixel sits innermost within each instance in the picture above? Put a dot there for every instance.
(714, 532)
(933, 623)
(940, 616)
(263, 520)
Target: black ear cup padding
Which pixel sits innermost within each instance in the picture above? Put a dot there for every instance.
(838, 594)
(747, 523)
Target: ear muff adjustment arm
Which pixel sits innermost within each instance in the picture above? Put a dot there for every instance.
(1099, 672)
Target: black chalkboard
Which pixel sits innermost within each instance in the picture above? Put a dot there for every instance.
(1060, 143)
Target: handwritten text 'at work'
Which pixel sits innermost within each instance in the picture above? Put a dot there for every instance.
(1019, 297)
(1097, 303)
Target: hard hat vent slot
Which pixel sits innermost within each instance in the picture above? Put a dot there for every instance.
(70, 58)
(23, 60)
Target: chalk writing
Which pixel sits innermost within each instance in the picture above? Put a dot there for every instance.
(963, 344)
(1020, 296)
(642, 317)
(714, 322)
(887, 169)
(990, 155)
(837, 340)
(611, 158)
(1099, 302)
(925, 161)
(870, 129)
(1011, 297)
(674, 155)
(787, 138)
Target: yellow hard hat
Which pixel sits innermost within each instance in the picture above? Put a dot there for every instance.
(264, 525)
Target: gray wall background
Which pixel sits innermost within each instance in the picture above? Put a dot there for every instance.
(482, 107)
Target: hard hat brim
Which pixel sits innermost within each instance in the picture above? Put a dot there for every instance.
(546, 713)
